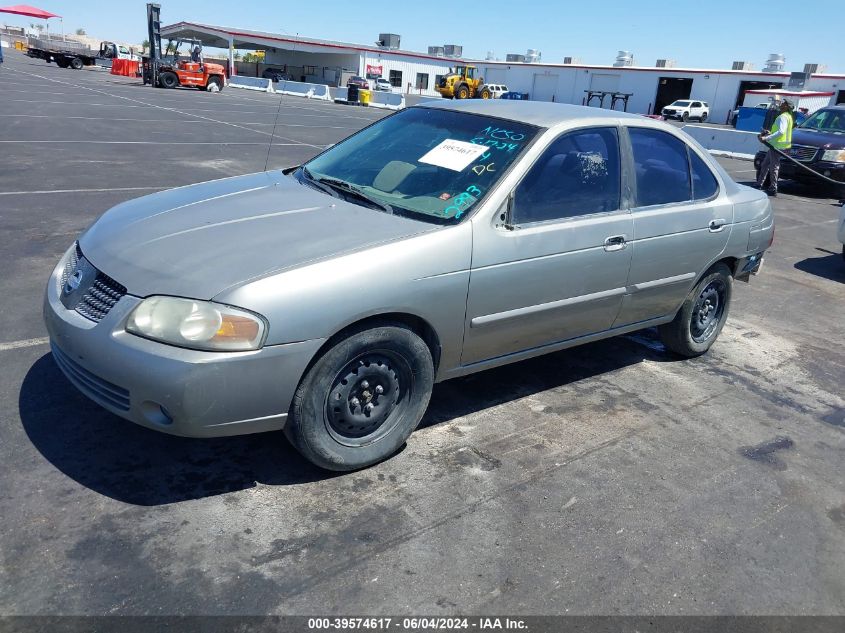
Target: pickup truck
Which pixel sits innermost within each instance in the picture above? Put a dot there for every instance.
(69, 54)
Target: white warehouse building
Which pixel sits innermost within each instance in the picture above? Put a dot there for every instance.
(639, 89)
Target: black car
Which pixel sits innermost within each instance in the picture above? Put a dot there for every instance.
(819, 143)
(276, 74)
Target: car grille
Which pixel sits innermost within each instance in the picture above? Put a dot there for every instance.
(803, 153)
(99, 390)
(100, 296)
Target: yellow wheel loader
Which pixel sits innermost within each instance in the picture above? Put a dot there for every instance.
(463, 84)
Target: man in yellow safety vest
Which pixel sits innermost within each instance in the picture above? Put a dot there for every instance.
(779, 137)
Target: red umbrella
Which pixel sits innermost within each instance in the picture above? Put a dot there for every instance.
(28, 11)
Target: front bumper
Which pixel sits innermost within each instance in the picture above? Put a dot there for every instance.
(791, 171)
(170, 389)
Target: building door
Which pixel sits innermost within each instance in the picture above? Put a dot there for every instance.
(669, 90)
(754, 85)
(495, 76)
(840, 98)
(545, 88)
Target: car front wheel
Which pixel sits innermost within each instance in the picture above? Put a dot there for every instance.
(362, 399)
(685, 117)
(701, 317)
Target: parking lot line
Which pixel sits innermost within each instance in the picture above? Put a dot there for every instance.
(153, 105)
(30, 342)
(96, 118)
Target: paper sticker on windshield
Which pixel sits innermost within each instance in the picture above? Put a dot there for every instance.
(454, 155)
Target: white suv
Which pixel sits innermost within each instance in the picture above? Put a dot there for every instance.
(497, 90)
(685, 109)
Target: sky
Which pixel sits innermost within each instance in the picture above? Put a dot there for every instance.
(709, 34)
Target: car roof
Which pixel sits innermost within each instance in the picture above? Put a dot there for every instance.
(540, 113)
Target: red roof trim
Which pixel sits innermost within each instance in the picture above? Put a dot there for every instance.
(480, 62)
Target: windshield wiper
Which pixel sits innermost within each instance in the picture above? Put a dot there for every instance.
(347, 189)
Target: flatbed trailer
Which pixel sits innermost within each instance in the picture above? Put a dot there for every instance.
(69, 54)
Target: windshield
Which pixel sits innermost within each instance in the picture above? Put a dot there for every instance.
(425, 162)
(682, 104)
(826, 121)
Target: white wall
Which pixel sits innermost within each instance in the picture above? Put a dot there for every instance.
(719, 89)
(409, 67)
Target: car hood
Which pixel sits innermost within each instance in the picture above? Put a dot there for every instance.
(197, 241)
(811, 138)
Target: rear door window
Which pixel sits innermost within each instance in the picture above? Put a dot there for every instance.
(662, 167)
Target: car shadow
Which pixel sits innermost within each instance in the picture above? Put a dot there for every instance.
(829, 266)
(135, 465)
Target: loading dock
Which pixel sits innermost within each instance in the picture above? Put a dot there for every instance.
(669, 90)
(745, 86)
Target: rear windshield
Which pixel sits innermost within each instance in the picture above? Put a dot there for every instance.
(425, 162)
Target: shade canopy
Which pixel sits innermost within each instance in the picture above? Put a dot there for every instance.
(28, 11)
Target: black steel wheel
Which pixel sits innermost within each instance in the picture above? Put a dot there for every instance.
(168, 79)
(362, 398)
(366, 398)
(698, 323)
(707, 310)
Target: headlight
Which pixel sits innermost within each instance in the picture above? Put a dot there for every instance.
(834, 155)
(201, 325)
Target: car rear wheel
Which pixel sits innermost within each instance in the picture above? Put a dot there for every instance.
(701, 317)
(362, 399)
(703, 117)
(168, 80)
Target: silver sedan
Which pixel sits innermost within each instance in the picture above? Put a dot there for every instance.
(327, 299)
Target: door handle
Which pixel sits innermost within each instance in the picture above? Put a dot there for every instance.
(615, 243)
(717, 225)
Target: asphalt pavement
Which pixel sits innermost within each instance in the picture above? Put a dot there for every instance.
(611, 478)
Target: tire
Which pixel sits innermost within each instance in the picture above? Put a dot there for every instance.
(685, 117)
(462, 92)
(703, 314)
(485, 94)
(168, 79)
(61, 63)
(843, 252)
(330, 425)
(215, 84)
(703, 117)
(77, 64)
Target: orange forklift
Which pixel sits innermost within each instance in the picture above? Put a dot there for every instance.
(172, 70)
